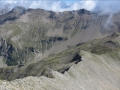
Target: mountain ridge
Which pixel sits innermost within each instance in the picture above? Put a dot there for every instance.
(37, 36)
(46, 50)
(49, 28)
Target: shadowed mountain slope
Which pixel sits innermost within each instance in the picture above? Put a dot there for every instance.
(63, 61)
(96, 72)
(38, 40)
(46, 50)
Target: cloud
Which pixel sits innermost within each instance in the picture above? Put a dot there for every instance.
(106, 6)
(54, 5)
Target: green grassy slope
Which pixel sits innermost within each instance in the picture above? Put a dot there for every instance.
(63, 61)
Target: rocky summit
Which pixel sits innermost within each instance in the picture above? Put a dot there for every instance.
(70, 50)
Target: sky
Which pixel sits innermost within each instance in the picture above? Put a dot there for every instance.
(106, 6)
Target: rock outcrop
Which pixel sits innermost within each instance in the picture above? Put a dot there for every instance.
(12, 15)
(35, 41)
(94, 72)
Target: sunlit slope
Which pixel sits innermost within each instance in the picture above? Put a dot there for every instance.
(95, 72)
(64, 60)
(27, 35)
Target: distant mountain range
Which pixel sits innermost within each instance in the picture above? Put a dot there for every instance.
(36, 42)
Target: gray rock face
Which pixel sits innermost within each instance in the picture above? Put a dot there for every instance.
(35, 34)
(19, 9)
(3, 48)
(60, 63)
(93, 73)
(12, 15)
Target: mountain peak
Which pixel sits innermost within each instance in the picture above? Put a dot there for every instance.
(19, 9)
(12, 15)
(83, 11)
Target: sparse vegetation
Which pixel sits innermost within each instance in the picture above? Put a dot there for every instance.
(25, 40)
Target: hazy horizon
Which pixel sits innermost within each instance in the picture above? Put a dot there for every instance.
(106, 6)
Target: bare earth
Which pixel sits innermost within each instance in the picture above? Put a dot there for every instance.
(95, 72)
